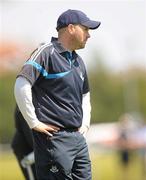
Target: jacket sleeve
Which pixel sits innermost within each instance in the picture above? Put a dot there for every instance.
(86, 106)
(23, 96)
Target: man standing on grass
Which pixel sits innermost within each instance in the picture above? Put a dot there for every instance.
(52, 93)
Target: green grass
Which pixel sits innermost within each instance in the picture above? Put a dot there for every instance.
(9, 169)
(105, 166)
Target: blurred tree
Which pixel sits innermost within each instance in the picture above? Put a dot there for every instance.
(107, 95)
(111, 96)
(7, 104)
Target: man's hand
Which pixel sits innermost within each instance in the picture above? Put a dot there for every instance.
(46, 128)
(83, 130)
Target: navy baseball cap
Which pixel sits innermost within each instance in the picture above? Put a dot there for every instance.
(75, 17)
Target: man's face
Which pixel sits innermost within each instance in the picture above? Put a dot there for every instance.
(80, 36)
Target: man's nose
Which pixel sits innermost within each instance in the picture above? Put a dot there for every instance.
(88, 35)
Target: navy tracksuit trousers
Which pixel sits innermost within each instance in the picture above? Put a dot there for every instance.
(64, 156)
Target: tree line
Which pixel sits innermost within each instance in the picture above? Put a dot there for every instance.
(112, 94)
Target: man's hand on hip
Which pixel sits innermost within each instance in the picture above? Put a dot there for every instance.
(83, 130)
(46, 128)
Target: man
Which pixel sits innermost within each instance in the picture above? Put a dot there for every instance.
(22, 145)
(52, 93)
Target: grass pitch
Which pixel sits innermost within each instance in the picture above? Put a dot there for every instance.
(105, 166)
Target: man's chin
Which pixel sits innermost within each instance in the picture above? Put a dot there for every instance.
(81, 46)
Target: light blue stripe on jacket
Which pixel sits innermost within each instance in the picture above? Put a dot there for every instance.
(44, 72)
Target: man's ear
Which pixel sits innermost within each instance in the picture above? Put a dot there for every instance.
(71, 28)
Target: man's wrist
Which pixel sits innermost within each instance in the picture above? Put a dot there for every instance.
(34, 124)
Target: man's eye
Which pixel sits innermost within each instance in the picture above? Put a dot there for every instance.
(86, 29)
